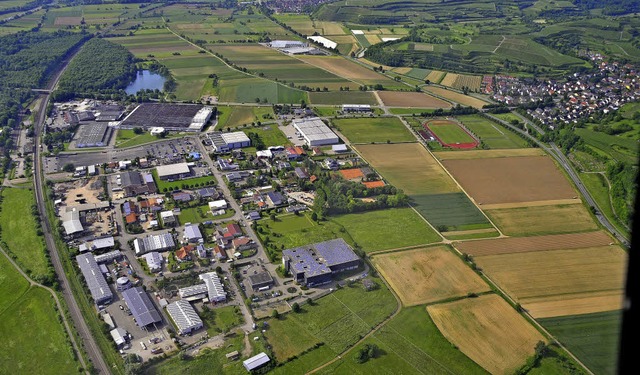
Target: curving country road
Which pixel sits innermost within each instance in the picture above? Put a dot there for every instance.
(90, 345)
(557, 154)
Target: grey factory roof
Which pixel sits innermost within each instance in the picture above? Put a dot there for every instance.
(313, 129)
(192, 290)
(235, 137)
(214, 286)
(260, 278)
(108, 257)
(71, 221)
(184, 316)
(315, 259)
(96, 282)
(157, 242)
(143, 310)
(192, 232)
(154, 260)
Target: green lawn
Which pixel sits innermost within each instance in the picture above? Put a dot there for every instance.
(338, 319)
(271, 135)
(128, 138)
(164, 186)
(616, 147)
(410, 344)
(593, 338)
(599, 189)
(21, 233)
(200, 214)
(491, 134)
(387, 229)
(451, 133)
(30, 328)
(221, 319)
(377, 129)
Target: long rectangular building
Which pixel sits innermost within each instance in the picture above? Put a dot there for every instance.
(141, 306)
(173, 171)
(215, 289)
(170, 116)
(225, 142)
(315, 132)
(155, 242)
(184, 316)
(98, 287)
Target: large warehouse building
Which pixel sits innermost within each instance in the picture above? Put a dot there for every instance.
(171, 117)
(225, 142)
(315, 132)
(98, 287)
(141, 306)
(173, 172)
(184, 316)
(154, 242)
(316, 264)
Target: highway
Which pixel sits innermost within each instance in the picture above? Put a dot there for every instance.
(90, 345)
(557, 154)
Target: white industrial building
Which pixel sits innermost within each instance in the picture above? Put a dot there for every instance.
(225, 142)
(327, 43)
(315, 132)
(119, 335)
(154, 261)
(156, 242)
(71, 221)
(217, 205)
(215, 289)
(200, 119)
(356, 108)
(193, 292)
(173, 171)
(108, 257)
(256, 361)
(184, 316)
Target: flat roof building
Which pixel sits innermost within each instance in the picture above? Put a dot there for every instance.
(260, 280)
(141, 306)
(194, 292)
(108, 257)
(225, 142)
(170, 116)
(192, 233)
(316, 264)
(315, 132)
(98, 287)
(154, 242)
(119, 335)
(356, 108)
(173, 171)
(184, 316)
(93, 135)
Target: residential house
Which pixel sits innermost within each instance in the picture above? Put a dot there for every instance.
(184, 253)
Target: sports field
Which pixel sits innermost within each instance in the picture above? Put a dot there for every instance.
(541, 220)
(450, 134)
(491, 134)
(410, 99)
(556, 282)
(511, 180)
(488, 330)
(464, 100)
(377, 129)
(428, 275)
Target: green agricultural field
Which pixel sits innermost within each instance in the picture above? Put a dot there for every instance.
(616, 147)
(379, 129)
(598, 187)
(593, 338)
(31, 309)
(343, 97)
(306, 362)
(493, 135)
(387, 229)
(453, 211)
(410, 343)
(243, 116)
(271, 135)
(128, 138)
(21, 236)
(338, 320)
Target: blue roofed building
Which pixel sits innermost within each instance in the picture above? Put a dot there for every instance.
(316, 264)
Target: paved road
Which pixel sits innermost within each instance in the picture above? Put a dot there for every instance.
(90, 345)
(557, 154)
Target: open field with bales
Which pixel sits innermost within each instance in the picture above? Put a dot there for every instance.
(379, 129)
(428, 275)
(561, 277)
(511, 180)
(464, 100)
(488, 330)
(394, 228)
(409, 99)
(491, 134)
(540, 220)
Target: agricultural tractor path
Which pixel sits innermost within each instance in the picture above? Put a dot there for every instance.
(61, 309)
